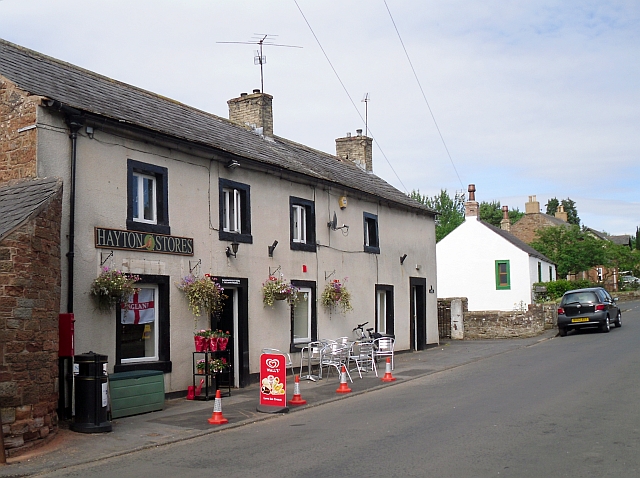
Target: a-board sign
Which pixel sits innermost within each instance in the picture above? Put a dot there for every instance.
(273, 383)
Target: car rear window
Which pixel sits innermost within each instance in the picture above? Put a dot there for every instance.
(580, 297)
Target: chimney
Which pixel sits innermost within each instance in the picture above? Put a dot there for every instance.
(253, 110)
(357, 149)
(505, 224)
(532, 207)
(471, 206)
(561, 214)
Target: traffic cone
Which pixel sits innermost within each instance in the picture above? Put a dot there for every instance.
(297, 399)
(387, 374)
(216, 416)
(343, 388)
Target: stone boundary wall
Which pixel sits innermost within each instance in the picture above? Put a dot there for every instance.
(29, 307)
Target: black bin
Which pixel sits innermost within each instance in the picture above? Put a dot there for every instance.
(91, 394)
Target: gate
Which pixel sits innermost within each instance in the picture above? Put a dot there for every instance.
(444, 320)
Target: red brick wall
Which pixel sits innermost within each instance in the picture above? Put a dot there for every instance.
(17, 150)
(29, 307)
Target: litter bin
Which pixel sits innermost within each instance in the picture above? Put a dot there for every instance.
(91, 394)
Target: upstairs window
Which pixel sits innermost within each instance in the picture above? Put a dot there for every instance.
(302, 218)
(503, 279)
(234, 211)
(371, 238)
(147, 198)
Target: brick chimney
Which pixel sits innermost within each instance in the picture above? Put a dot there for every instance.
(471, 206)
(253, 110)
(561, 214)
(357, 149)
(533, 206)
(505, 224)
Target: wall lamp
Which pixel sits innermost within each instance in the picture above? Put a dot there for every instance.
(232, 164)
(272, 248)
(402, 258)
(233, 250)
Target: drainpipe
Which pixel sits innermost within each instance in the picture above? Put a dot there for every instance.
(75, 123)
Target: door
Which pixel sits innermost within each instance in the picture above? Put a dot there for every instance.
(234, 318)
(418, 307)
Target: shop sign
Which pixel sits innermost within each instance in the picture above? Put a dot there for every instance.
(143, 242)
(273, 380)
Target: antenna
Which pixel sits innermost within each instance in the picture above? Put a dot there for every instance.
(260, 59)
(366, 100)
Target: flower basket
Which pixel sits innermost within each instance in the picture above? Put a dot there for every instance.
(222, 343)
(203, 294)
(277, 288)
(112, 287)
(213, 344)
(336, 294)
(201, 343)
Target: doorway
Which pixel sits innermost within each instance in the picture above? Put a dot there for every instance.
(418, 312)
(234, 317)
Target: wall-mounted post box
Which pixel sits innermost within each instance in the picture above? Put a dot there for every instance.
(65, 332)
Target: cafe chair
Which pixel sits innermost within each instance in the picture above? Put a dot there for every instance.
(335, 356)
(310, 355)
(362, 354)
(383, 347)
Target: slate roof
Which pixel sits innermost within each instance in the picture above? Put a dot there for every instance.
(622, 240)
(93, 93)
(20, 199)
(517, 242)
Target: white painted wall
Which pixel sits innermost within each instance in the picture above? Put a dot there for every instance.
(466, 268)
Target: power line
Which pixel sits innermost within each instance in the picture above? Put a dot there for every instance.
(423, 94)
(348, 95)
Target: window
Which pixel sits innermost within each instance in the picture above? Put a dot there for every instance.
(147, 198)
(303, 315)
(302, 224)
(550, 273)
(502, 275)
(384, 309)
(371, 239)
(142, 336)
(539, 272)
(234, 212)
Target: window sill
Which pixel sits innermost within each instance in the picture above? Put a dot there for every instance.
(144, 227)
(302, 246)
(233, 237)
(372, 250)
(128, 367)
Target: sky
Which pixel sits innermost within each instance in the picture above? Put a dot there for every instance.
(520, 98)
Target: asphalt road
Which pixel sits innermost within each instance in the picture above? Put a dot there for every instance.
(563, 407)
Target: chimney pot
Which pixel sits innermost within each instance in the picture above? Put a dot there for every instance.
(256, 91)
(349, 134)
(359, 132)
(243, 94)
(505, 224)
(471, 206)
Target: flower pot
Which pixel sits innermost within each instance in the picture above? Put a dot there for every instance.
(222, 343)
(213, 344)
(200, 343)
(200, 371)
(279, 296)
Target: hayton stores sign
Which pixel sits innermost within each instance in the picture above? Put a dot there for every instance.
(143, 242)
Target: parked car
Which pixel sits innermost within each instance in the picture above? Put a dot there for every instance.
(629, 280)
(592, 307)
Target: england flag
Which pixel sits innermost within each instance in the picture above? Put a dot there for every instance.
(141, 308)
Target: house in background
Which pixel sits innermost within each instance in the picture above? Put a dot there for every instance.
(160, 189)
(533, 220)
(490, 266)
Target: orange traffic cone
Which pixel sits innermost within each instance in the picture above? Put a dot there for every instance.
(216, 416)
(297, 399)
(343, 388)
(387, 374)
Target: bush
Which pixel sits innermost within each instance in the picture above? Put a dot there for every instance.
(556, 289)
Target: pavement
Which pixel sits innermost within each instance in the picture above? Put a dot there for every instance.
(184, 419)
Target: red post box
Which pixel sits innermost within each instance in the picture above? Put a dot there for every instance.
(65, 333)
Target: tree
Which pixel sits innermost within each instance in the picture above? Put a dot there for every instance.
(621, 258)
(450, 210)
(491, 212)
(637, 239)
(569, 207)
(570, 248)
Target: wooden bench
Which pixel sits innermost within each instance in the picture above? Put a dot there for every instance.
(136, 392)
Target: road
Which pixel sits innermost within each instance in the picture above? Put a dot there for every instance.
(564, 407)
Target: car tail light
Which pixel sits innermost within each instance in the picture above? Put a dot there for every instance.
(600, 307)
(560, 310)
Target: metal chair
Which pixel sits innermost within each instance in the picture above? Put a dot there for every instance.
(335, 355)
(383, 347)
(362, 353)
(288, 364)
(311, 354)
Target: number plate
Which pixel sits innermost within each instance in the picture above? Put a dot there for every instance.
(580, 319)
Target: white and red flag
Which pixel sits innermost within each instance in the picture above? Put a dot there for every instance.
(141, 308)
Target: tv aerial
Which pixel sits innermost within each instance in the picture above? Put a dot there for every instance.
(261, 39)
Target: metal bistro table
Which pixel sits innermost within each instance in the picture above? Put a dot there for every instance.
(310, 348)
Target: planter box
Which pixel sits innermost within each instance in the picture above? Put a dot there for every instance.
(136, 392)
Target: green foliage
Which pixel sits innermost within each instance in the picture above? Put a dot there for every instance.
(112, 287)
(277, 288)
(637, 238)
(450, 210)
(491, 212)
(336, 294)
(621, 257)
(203, 294)
(570, 248)
(569, 208)
(556, 289)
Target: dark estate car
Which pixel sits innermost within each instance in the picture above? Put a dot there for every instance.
(591, 307)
